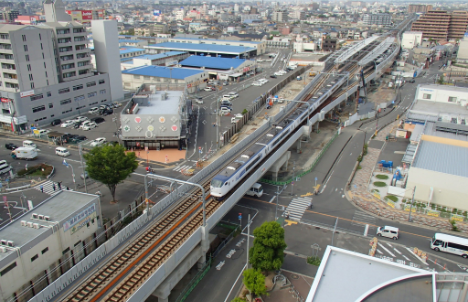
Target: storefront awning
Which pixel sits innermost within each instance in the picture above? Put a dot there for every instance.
(235, 75)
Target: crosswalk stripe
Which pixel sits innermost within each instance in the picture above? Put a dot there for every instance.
(297, 207)
(48, 187)
(178, 169)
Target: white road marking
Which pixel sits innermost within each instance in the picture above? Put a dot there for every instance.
(272, 199)
(378, 251)
(385, 249)
(405, 257)
(397, 251)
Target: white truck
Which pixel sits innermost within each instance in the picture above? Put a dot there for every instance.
(27, 153)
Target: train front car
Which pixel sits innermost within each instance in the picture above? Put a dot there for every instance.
(218, 187)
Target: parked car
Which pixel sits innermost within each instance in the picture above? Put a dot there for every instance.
(42, 132)
(85, 123)
(78, 124)
(78, 139)
(208, 89)
(98, 120)
(89, 126)
(198, 101)
(117, 105)
(225, 83)
(257, 83)
(412, 81)
(98, 141)
(224, 110)
(56, 122)
(81, 118)
(234, 94)
(93, 110)
(67, 123)
(11, 146)
(108, 111)
(274, 76)
(68, 136)
(103, 106)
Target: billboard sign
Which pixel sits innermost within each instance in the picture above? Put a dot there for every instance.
(26, 93)
(87, 14)
(156, 12)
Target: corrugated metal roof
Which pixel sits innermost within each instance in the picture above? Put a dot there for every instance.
(442, 158)
(163, 72)
(125, 49)
(431, 130)
(209, 48)
(214, 40)
(160, 55)
(212, 62)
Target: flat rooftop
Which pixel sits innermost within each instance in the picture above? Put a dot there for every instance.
(157, 102)
(208, 48)
(431, 129)
(451, 159)
(58, 207)
(163, 72)
(160, 55)
(424, 108)
(348, 276)
(126, 49)
(214, 40)
(212, 62)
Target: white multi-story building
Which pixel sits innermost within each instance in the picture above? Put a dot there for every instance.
(411, 39)
(377, 19)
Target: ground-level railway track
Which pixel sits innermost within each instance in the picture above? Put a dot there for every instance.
(122, 275)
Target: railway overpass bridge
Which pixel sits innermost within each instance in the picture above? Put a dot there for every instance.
(172, 236)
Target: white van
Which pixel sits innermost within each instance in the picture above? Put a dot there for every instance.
(29, 144)
(256, 190)
(389, 232)
(4, 167)
(61, 151)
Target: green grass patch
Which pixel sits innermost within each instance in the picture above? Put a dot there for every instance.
(314, 260)
(392, 198)
(375, 191)
(38, 170)
(380, 184)
(381, 176)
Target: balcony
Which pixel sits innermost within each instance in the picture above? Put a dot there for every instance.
(65, 49)
(10, 76)
(8, 66)
(8, 57)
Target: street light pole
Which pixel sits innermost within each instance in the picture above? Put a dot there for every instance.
(411, 208)
(80, 149)
(73, 172)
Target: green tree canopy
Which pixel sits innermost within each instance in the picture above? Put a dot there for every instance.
(237, 299)
(268, 248)
(254, 280)
(110, 165)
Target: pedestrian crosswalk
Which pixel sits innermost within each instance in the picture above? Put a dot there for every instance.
(361, 219)
(181, 168)
(48, 187)
(297, 207)
(399, 254)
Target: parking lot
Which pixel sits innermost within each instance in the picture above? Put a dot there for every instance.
(107, 129)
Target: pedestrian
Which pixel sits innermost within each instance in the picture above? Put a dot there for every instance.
(42, 188)
(53, 186)
(214, 124)
(60, 185)
(68, 189)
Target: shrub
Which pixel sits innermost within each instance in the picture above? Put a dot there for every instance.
(392, 198)
(314, 260)
(36, 170)
(359, 167)
(381, 176)
(454, 225)
(244, 112)
(380, 184)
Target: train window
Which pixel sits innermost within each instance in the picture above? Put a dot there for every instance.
(216, 183)
(250, 165)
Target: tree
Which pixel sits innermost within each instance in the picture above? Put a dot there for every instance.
(441, 80)
(254, 280)
(237, 299)
(268, 248)
(110, 165)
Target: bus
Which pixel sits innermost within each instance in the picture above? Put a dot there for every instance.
(450, 244)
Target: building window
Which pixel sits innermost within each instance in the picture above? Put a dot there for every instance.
(38, 108)
(64, 90)
(94, 103)
(63, 31)
(32, 85)
(40, 119)
(36, 97)
(24, 38)
(78, 108)
(102, 91)
(31, 77)
(25, 47)
(77, 87)
(69, 74)
(28, 67)
(45, 65)
(67, 101)
(103, 101)
(79, 98)
(91, 84)
(85, 71)
(7, 269)
(27, 58)
(70, 110)
(41, 47)
(51, 105)
(102, 81)
(35, 257)
(92, 94)
(452, 99)
(46, 75)
(136, 77)
(146, 77)
(426, 96)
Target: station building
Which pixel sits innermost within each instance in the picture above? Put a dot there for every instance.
(195, 47)
(156, 119)
(45, 242)
(192, 79)
(220, 68)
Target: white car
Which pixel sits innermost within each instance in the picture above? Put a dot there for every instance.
(67, 123)
(208, 89)
(264, 81)
(42, 132)
(89, 126)
(224, 111)
(98, 141)
(257, 84)
(80, 119)
(278, 73)
(234, 94)
(93, 110)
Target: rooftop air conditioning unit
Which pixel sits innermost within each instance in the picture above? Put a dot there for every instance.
(23, 223)
(3, 241)
(47, 218)
(34, 216)
(30, 224)
(41, 217)
(11, 243)
(3, 249)
(36, 226)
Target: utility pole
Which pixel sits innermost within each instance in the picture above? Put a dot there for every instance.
(410, 219)
(248, 240)
(80, 149)
(294, 178)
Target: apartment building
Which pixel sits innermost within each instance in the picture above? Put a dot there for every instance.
(419, 8)
(442, 25)
(280, 16)
(46, 73)
(377, 19)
